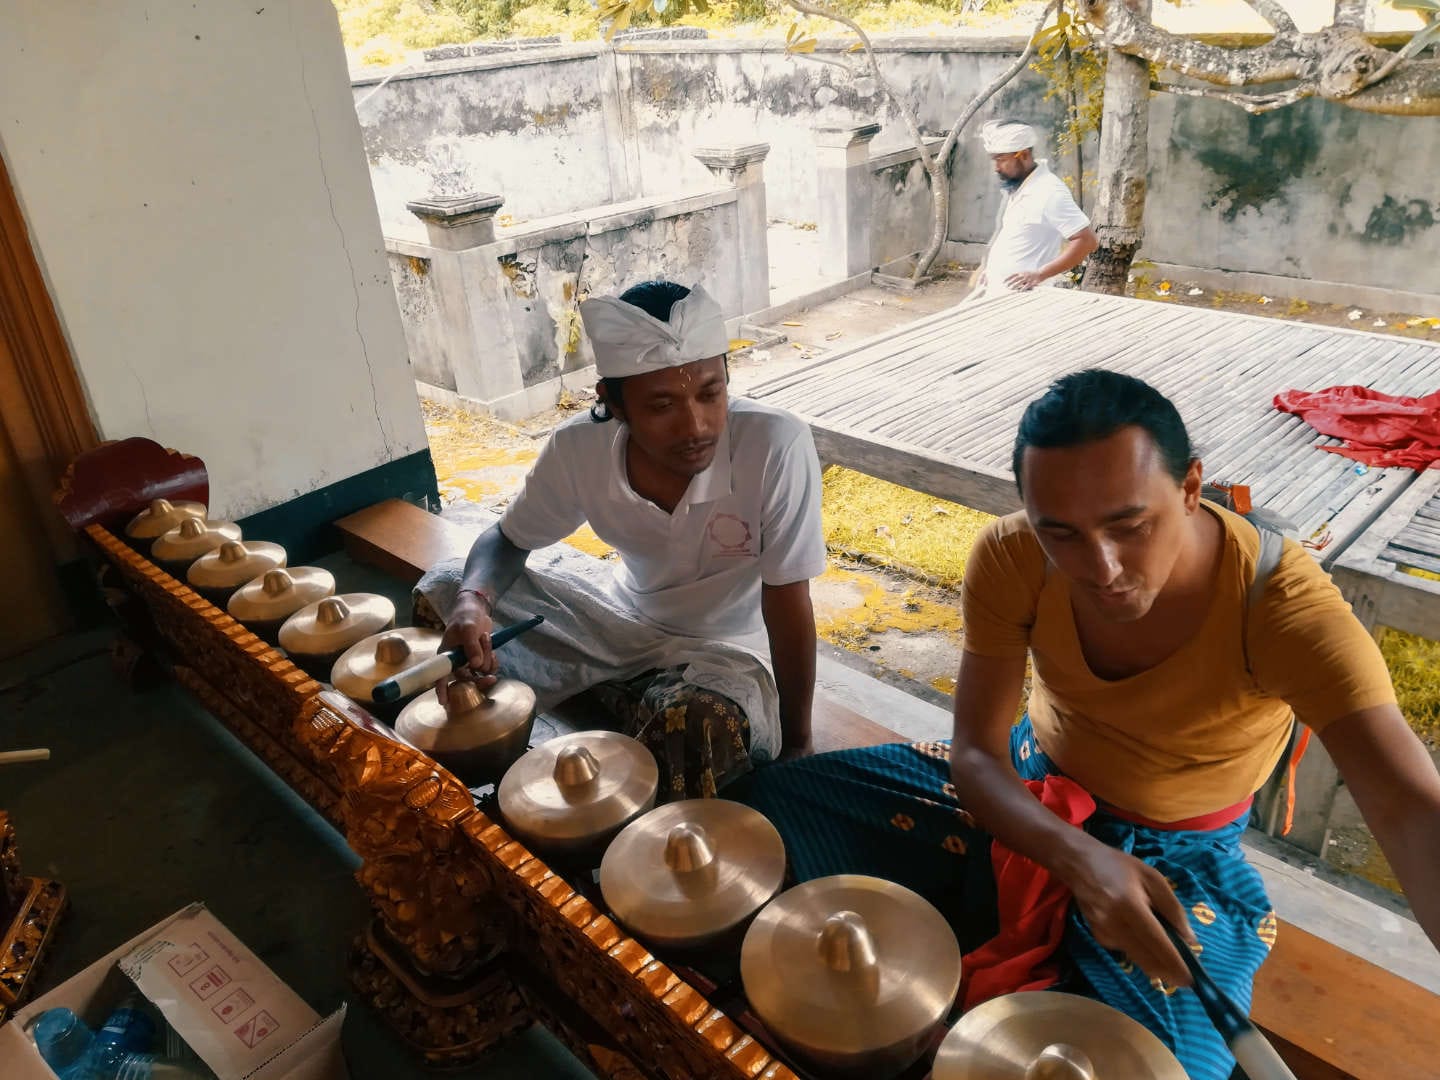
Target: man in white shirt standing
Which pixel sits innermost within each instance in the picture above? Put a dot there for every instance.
(1040, 232)
(702, 643)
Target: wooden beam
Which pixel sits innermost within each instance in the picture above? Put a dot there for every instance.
(42, 403)
(1342, 1016)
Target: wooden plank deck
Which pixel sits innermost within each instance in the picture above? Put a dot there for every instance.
(935, 405)
(1375, 571)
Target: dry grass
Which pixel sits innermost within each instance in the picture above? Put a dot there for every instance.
(897, 527)
(877, 609)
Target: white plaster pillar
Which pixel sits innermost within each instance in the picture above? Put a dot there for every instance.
(743, 167)
(845, 187)
(457, 222)
(477, 342)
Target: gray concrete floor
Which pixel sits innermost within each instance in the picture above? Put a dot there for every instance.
(148, 803)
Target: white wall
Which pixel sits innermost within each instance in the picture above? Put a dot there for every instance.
(197, 193)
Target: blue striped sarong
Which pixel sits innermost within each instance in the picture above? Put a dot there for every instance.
(892, 812)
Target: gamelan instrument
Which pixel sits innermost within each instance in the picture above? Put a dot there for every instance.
(575, 792)
(1046, 1035)
(318, 633)
(404, 683)
(379, 658)
(264, 604)
(476, 734)
(177, 549)
(689, 872)
(157, 519)
(217, 574)
(852, 973)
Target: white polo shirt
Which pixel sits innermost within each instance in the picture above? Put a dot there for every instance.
(1036, 219)
(752, 516)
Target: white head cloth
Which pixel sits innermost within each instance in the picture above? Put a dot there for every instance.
(1006, 137)
(628, 341)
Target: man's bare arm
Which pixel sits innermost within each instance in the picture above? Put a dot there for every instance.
(1395, 784)
(1071, 255)
(790, 624)
(1118, 894)
(491, 567)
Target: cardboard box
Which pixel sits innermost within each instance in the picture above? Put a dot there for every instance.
(232, 1010)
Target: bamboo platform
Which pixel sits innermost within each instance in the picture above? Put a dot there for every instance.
(1376, 570)
(934, 406)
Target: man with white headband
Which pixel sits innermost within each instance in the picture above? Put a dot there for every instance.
(1040, 232)
(702, 642)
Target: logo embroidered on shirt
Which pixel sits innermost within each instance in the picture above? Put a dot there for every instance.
(731, 535)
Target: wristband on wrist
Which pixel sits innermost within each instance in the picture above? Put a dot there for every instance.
(486, 597)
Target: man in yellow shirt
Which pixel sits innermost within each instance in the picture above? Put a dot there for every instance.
(1161, 687)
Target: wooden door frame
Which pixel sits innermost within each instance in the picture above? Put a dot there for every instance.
(42, 402)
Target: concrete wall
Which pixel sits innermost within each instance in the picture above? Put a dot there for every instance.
(1311, 191)
(1315, 191)
(901, 206)
(530, 128)
(498, 324)
(195, 186)
(594, 125)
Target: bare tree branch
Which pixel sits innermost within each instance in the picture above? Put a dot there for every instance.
(1276, 61)
(1273, 12)
(907, 114)
(1337, 63)
(948, 146)
(1251, 103)
(1412, 89)
(1350, 13)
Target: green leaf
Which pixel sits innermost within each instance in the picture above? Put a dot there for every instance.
(803, 45)
(1415, 5)
(859, 46)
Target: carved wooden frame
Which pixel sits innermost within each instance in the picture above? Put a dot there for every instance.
(447, 883)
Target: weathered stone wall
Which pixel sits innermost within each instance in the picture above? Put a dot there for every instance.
(529, 127)
(498, 324)
(1315, 191)
(1312, 191)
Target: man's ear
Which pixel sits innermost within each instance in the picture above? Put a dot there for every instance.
(1194, 477)
(613, 407)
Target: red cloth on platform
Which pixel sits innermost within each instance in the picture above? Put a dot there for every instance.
(1033, 907)
(1378, 429)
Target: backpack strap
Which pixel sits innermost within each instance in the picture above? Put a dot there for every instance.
(1272, 548)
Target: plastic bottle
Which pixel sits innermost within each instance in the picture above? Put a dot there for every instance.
(150, 1067)
(74, 1052)
(64, 1043)
(128, 1030)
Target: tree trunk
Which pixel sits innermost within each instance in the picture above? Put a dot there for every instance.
(939, 219)
(1119, 214)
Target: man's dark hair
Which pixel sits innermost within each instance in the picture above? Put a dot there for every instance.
(655, 298)
(1090, 405)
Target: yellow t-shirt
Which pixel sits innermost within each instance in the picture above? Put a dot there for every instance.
(1198, 732)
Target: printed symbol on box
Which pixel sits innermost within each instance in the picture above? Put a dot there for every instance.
(255, 1030)
(206, 985)
(232, 1005)
(186, 960)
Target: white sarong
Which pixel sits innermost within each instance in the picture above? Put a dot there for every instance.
(588, 638)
